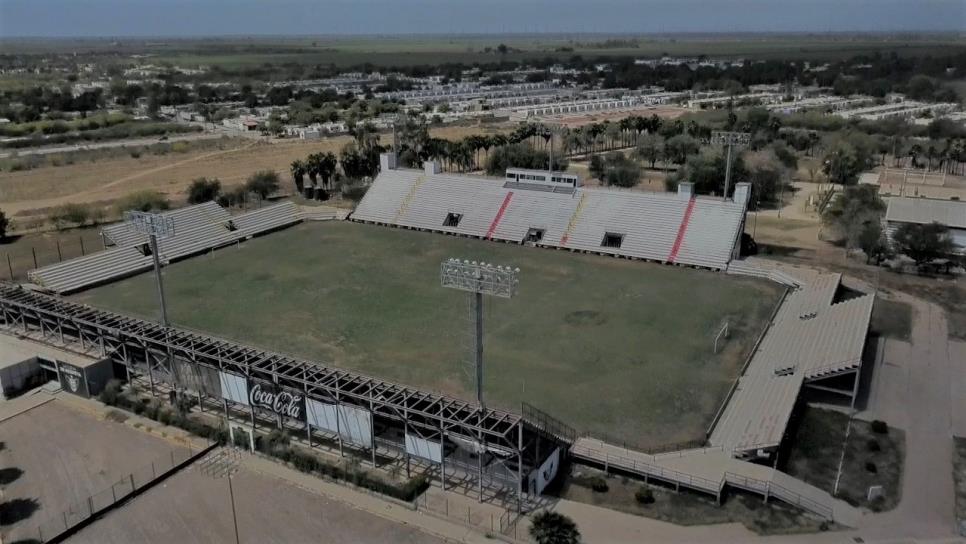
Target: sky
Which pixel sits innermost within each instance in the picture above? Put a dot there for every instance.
(89, 18)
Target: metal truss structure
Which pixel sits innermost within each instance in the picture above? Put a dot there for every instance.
(136, 343)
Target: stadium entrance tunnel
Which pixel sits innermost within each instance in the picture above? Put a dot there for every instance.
(612, 239)
(452, 219)
(533, 236)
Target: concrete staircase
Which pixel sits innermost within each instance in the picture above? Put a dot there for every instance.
(404, 206)
(573, 220)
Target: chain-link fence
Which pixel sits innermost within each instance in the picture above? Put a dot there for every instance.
(82, 510)
(505, 525)
(17, 257)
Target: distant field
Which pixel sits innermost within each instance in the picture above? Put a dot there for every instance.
(610, 346)
(408, 51)
(27, 195)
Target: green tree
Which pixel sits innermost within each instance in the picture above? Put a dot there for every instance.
(923, 243)
(553, 528)
(855, 208)
(298, 169)
(203, 190)
(620, 171)
(262, 183)
(872, 242)
(680, 146)
(4, 224)
(651, 148)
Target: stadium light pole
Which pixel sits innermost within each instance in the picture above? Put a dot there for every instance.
(155, 226)
(729, 139)
(478, 279)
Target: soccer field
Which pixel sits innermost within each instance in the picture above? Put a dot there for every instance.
(607, 345)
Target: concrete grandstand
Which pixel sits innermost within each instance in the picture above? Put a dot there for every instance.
(670, 228)
(198, 228)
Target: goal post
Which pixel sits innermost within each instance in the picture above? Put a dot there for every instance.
(722, 335)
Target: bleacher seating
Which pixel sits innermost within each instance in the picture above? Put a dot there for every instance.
(650, 223)
(809, 338)
(197, 229)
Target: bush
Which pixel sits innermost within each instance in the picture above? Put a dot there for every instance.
(71, 214)
(644, 495)
(203, 189)
(553, 528)
(870, 467)
(262, 183)
(599, 485)
(879, 427)
(873, 445)
(356, 193)
(144, 201)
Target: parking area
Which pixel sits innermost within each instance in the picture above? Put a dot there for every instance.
(195, 506)
(53, 457)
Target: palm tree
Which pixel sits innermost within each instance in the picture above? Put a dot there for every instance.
(327, 164)
(298, 174)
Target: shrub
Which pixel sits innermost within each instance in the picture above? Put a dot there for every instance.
(553, 528)
(599, 485)
(879, 427)
(644, 495)
(873, 445)
(71, 214)
(355, 193)
(135, 154)
(203, 190)
(144, 201)
(870, 467)
(262, 183)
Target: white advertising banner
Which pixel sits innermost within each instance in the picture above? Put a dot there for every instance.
(424, 449)
(233, 388)
(542, 476)
(353, 424)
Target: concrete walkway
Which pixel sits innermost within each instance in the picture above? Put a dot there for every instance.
(397, 512)
(913, 389)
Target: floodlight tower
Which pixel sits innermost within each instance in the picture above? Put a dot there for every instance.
(479, 279)
(730, 139)
(156, 226)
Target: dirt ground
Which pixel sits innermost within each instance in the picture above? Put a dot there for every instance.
(28, 196)
(54, 456)
(192, 507)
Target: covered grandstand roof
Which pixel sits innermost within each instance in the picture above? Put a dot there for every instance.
(951, 213)
(663, 227)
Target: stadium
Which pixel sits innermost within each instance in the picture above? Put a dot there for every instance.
(638, 340)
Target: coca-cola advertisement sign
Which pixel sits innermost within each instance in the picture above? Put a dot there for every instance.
(280, 401)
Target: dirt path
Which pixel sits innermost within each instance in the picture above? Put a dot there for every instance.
(104, 191)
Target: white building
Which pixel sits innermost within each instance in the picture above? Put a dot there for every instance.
(951, 213)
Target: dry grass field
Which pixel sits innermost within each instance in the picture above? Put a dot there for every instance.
(608, 345)
(28, 196)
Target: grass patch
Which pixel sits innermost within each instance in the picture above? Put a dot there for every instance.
(959, 476)
(592, 340)
(892, 319)
(871, 458)
(686, 507)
